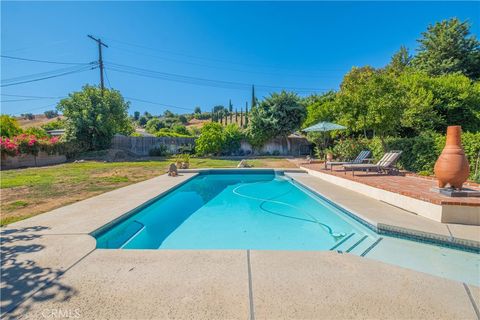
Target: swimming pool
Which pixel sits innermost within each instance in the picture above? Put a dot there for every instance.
(266, 210)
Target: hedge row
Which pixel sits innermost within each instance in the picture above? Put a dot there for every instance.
(419, 153)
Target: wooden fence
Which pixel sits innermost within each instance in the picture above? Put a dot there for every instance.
(142, 145)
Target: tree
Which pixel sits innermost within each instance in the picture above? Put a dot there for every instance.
(28, 116)
(211, 139)
(384, 105)
(93, 116)
(370, 100)
(136, 115)
(232, 138)
(457, 101)
(446, 47)
(9, 126)
(147, 115)
(399, 61)
(321, 108)
(277, 116)
(352, 99)
(168, 114)
(142, 121)
(51, 114)
(197, 110)
(182, 119)
(153, 125)
(178, 128)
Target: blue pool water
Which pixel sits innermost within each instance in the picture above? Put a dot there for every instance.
(269, 211)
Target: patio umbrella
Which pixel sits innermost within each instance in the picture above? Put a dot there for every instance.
(324, 127)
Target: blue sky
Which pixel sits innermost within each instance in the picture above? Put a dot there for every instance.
(307, 46)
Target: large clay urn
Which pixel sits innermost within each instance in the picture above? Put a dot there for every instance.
(452, 165)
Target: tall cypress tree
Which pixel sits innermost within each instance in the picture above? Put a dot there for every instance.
(254, 100)
(241, 117)
(246, 114)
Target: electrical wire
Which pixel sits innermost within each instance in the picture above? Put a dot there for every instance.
(43, 61)
(26, 99)
(50, 77)
(159, 104)
(195, 80)
(125, 43)
(24, 96)
(108, 80)
(218, 67)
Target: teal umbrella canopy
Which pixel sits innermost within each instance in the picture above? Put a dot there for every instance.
(324, 127)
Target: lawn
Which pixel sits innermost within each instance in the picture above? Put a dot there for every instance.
(28, 192)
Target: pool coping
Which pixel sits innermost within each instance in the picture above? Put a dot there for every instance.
(380, 228)
(392, 229)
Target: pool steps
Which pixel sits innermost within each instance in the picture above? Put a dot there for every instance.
(356, 244)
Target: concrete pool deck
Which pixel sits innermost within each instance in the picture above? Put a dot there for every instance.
(50, 264)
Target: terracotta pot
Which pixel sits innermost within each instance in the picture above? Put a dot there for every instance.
(452, 165)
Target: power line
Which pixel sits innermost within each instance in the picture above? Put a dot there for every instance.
(197, 81)
(40, 74)
(108, 80)
(17, 100)
(218, 67)
(43, 61)
(38, 108)
(50, 77)
(24, 96)
(198, 57)
(159, 104)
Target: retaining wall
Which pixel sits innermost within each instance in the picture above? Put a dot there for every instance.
(28, 160)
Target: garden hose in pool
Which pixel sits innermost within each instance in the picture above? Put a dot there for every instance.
(263, 200)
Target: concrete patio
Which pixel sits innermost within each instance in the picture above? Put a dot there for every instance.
(50, 265)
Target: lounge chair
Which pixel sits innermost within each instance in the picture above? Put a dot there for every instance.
(385, 164)
(361, 158)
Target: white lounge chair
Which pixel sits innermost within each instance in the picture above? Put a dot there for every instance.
(361, 158)
(385, 164)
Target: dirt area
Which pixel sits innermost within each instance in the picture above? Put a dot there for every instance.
(39, 120)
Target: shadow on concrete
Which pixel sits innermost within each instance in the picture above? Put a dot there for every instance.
(22, 277)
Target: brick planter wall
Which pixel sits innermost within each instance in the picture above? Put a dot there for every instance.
(27, 160)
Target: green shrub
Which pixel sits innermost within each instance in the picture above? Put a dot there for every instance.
(348, 149)
(169, 133)
(54, 125)
(189, 148)
(154, 125)
(9, 126)
(180, 129)
(232, 138)
(160, 151)
(36, 131)
(211, 140)
(419, 153)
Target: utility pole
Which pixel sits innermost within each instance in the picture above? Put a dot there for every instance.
(100, 60)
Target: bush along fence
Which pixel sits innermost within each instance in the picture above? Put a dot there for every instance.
(419, 153)
(29, 151)
(154, 146)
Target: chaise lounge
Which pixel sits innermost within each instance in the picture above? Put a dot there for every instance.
(386, 164)
(361, 158)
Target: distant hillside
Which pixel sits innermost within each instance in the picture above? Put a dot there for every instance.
(40, 119)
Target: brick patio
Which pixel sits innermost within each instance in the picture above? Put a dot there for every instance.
(407, 185)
